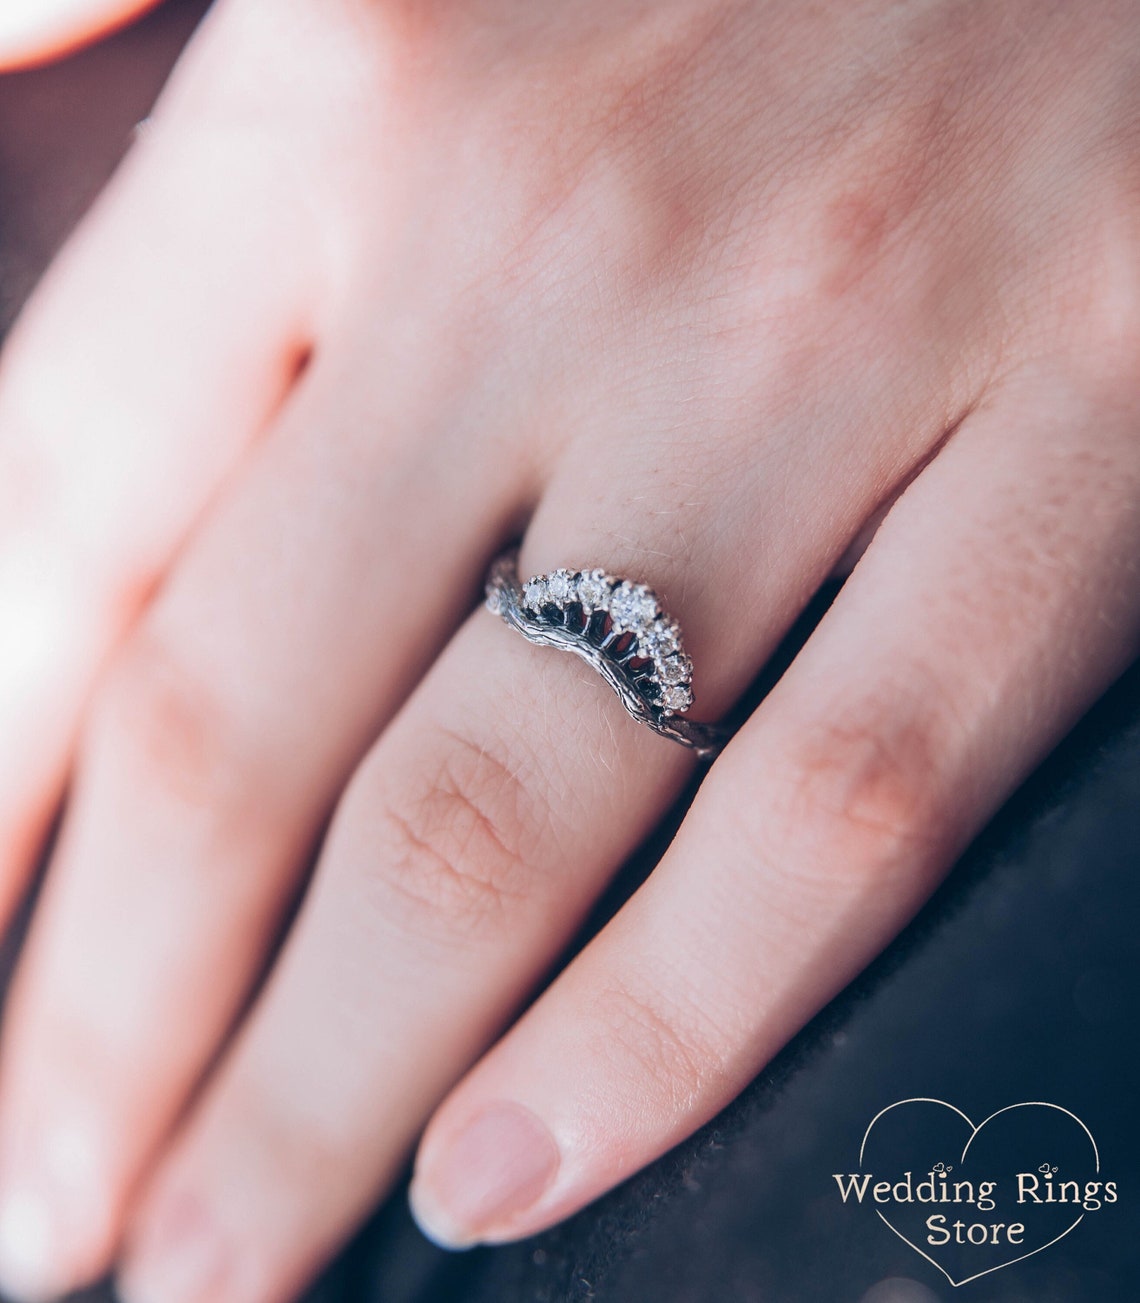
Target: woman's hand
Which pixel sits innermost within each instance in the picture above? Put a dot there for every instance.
(691, 291)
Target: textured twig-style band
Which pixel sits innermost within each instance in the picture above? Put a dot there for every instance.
(618, 627)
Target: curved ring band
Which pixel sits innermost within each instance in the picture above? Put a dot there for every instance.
(618, 627)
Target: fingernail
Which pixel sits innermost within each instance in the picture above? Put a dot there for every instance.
(494, 1169)
(29, 1247)
(182, 1258)
(49, 1216)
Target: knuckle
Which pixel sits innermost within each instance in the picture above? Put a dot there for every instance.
(29, 489)
(452, 847)
(160, 721)
(1100, 297)
(286, 1130)
(858, 792)
(665, 1049)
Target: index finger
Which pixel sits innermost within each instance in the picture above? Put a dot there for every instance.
(156, 347)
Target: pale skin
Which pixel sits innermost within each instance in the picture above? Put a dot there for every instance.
(692, 291)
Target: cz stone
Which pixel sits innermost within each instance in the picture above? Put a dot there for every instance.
(660, 640)
(534, 594)
(675, 670)
(592, 589)
(676, 698)
(633, 606)
(558, 587)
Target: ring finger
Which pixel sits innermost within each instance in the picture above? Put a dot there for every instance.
(462, 857)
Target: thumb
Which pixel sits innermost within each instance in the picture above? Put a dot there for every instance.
(36, 31)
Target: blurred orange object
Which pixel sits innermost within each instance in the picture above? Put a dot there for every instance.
(36, 31)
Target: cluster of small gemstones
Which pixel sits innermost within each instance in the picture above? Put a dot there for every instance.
(609, 608)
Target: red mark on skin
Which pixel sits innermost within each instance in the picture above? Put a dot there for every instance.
(900, 169)
(861, 224)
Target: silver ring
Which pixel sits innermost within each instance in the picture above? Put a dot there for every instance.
(618, 627)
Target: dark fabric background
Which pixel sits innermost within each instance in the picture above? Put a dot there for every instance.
(1018, 981)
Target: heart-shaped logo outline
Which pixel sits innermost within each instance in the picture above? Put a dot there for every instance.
(1035, 1103)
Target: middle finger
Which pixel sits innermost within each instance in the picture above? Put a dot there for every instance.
(219, 740)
